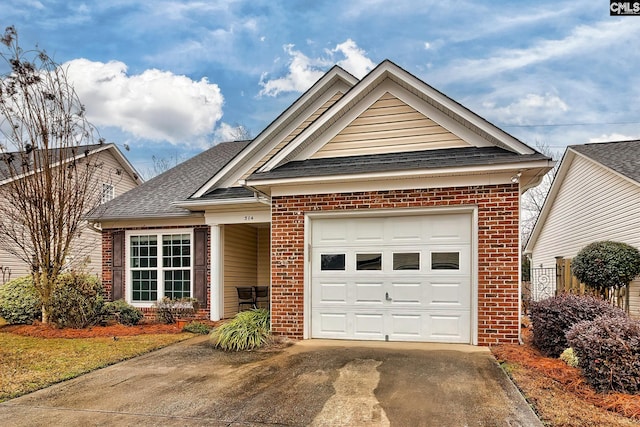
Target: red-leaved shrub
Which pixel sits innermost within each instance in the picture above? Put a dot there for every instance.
(608, 350)
(553, 317)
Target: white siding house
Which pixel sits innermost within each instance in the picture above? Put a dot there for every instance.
(595, 196)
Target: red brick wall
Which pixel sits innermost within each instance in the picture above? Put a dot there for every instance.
(497, 250)
(107, 263)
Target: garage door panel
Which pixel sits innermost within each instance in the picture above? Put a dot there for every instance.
(366, 230)
(449, 327)
(369, 293)
(382, 280)
(403, 293)
(406, 326)
(332, 293)
(409, 230)
(368, 325)
(448, 293)
(331, 324)
(449, 228)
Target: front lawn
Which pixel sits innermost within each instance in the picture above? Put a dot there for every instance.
(31, 363)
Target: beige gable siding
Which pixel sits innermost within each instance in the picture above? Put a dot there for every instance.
(593, 204)
(295, 133)
(86, 251)
(240, 254)
(388, 126)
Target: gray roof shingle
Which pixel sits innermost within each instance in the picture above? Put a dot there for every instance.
(155, 198)
(427, 159)
(622, 156)
(54, 155)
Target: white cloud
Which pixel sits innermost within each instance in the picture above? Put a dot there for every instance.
(355, 61)
(581, 40)
(304, 71)
(155, 105)
(530, 108)
(614, 137)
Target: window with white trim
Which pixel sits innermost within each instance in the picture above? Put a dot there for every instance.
(108, 192)
(159, 265)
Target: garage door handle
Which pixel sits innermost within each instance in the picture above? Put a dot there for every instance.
(386, 296)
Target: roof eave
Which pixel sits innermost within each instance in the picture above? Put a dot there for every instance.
(411, 173)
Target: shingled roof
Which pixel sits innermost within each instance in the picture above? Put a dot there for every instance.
(426, 159)
(622, 156)
(155, 198)
(54, 155)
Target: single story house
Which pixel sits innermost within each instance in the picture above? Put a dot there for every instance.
(595, 196)
(374, 209)
(115, 176)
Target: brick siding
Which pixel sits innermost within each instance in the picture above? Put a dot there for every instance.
(107, 264)
(498, 235)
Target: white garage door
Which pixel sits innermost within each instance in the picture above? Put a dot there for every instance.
(392, 278)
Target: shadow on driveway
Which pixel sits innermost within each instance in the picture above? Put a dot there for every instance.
(311, 383)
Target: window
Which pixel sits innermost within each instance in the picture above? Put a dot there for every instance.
(406, 261)
(160, 266)
(445, 261)
(107, 192)
(368, 261)
(332, 262)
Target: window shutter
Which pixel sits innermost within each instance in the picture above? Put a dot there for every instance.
(117, 262)
(200, 266)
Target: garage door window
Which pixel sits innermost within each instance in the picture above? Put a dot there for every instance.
(332, 262)
(445, 260)
(406, 261)
(369, 261)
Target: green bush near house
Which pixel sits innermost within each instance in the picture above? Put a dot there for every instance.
(122, 312)
(606, 264)
(19, 301)
(248, 330)
(77, 301)
(197, 328)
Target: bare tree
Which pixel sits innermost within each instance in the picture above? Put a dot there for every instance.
(533, 199)
(240, 133)
(45, 169)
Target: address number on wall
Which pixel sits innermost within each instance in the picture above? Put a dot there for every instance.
(248, 218)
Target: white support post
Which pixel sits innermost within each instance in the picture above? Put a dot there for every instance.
(216, 302)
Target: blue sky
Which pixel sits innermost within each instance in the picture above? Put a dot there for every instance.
(170, 78)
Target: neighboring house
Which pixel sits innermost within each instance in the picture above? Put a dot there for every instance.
(595, 196)
(375, 209)
(115, 177)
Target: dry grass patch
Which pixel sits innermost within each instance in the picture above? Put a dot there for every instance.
(29, 363)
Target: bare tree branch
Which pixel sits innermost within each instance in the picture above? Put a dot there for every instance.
(46, 167)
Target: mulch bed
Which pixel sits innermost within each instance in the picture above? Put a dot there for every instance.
(567, 377)
(40, 330)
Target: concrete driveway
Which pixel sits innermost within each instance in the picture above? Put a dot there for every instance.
(320, 383)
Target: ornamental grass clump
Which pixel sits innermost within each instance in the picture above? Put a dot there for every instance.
(248, 330)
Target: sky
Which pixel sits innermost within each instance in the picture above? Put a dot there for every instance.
(171, 78)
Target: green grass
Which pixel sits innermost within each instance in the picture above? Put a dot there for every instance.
(28, 364)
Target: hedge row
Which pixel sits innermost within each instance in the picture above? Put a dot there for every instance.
(553, 317)
(604, 339)
(77, 302)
